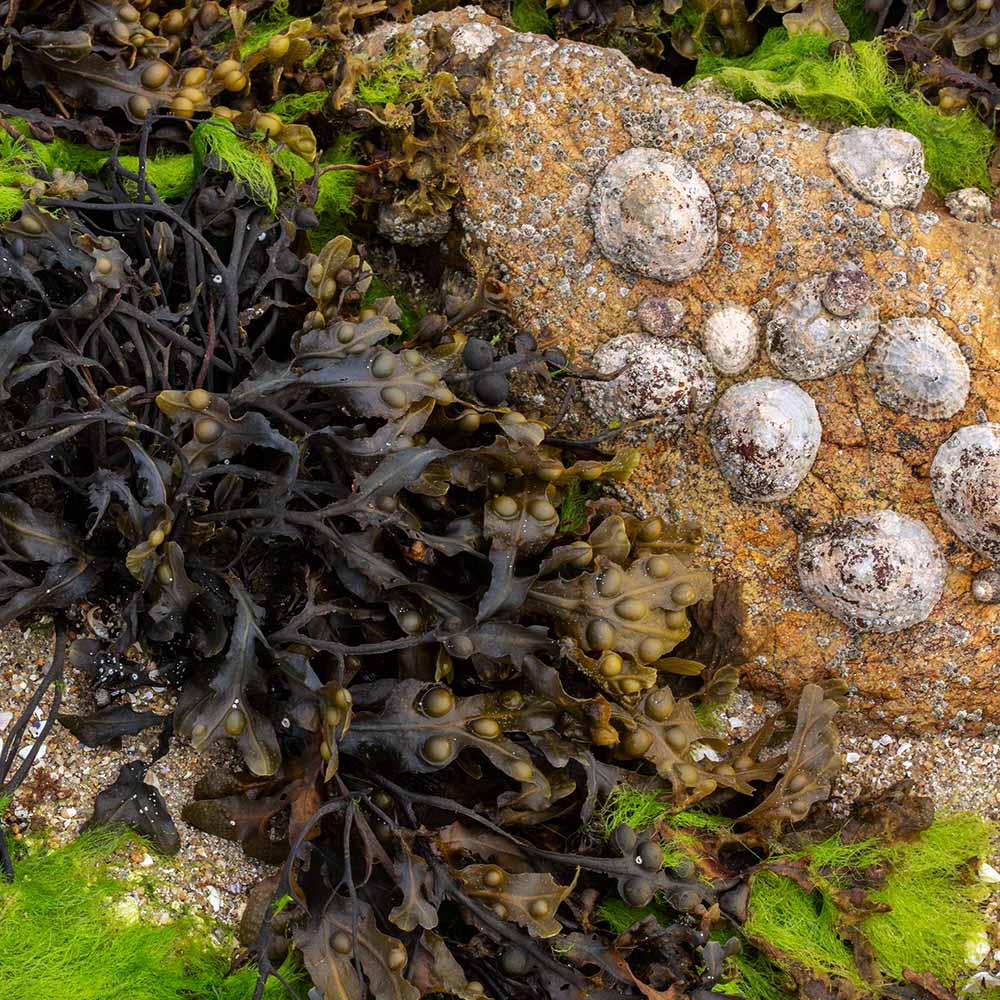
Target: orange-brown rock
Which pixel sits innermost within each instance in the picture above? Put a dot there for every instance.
(561, 111)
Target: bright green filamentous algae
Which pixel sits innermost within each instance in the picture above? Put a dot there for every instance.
(858, 88)
(65, 936)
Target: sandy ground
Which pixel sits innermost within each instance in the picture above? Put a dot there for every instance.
(209, 876)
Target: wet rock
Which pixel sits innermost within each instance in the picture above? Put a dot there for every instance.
(561, 113)
(399, 224)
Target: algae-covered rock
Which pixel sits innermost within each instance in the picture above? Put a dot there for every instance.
(565, 115)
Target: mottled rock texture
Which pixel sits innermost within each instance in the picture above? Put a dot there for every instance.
(561, 112)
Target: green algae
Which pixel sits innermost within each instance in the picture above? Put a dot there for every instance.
(64, 935)
(934, 897)
(857, 88)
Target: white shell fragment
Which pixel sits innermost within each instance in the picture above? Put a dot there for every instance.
(916, 368)
(671, 378)
(969, 205)
(806, 341)
(765, 435)
(654, 214)
(883, 166)
(730, 339)
(965, 482)
(879, 572)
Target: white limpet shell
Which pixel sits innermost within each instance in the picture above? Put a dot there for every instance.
(879, 572)
(670, 378)
(806, 341)
(883, 166)
(765, 434)
(914, 367)
(654, 214)
(730, 338)
(965, 482)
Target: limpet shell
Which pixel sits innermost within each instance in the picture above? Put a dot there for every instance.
(965, 482)
(654, 214)
(846, 290)
(660, 316)
(806, 341)
(883, 166)
(667, 377)
(916, 368)
(878, 572)
(730, 338)
(765, 435)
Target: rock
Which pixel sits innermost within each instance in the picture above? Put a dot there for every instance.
(561, 112)
(399, 224)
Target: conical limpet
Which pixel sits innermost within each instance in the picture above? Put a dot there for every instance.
(654, 214)
(916, 368)
(670, 378)
(806, 341)
(985, 586)
(846, 290)
(965, 481)
(879, 572)
(730, 338)
(883, 166)
(765, 434)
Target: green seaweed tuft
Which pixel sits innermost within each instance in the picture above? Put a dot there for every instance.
(216, 137)
(275, 19)
(573, 509)
(392, 81)
(66, 935)
(411, 311)
(292, 107)
(632, 806)
(691, 819)
(753, 975)
(858, 89)
(618, 915)
(800, 924)
(531, 15)
(935, 900)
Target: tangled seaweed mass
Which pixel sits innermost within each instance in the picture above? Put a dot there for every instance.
(475, 699)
